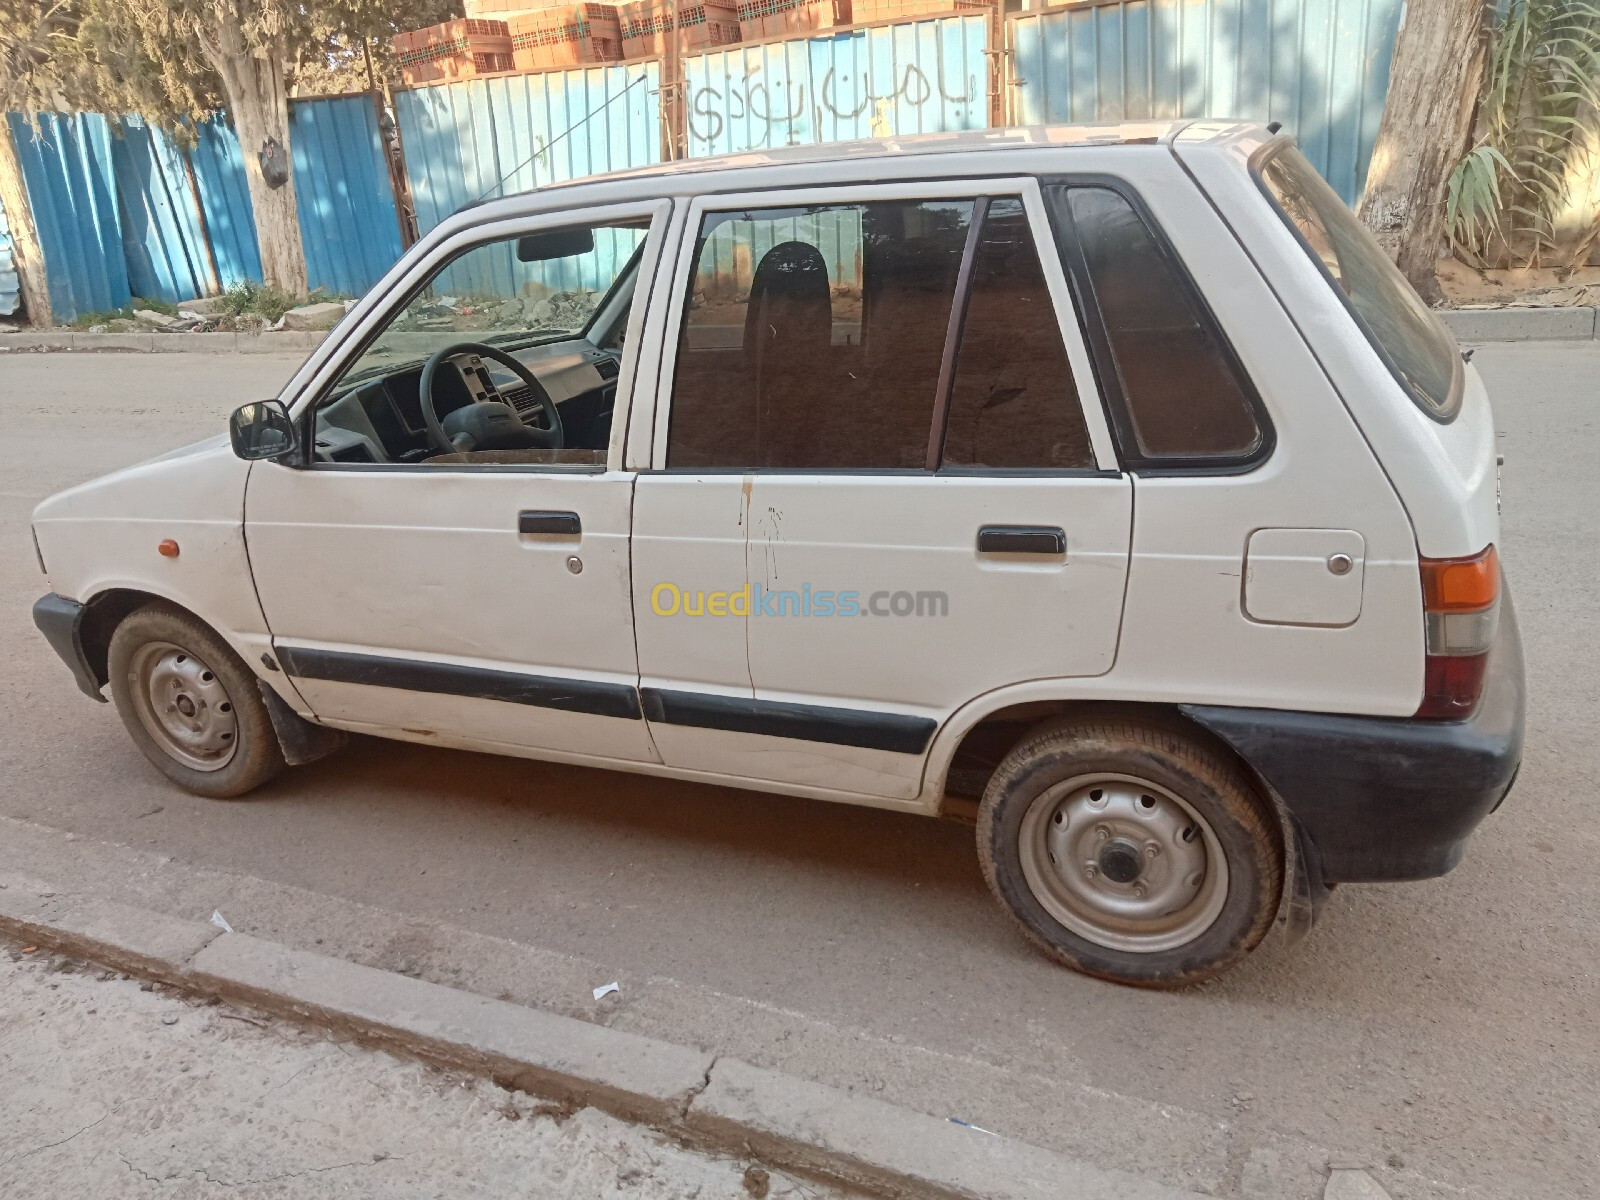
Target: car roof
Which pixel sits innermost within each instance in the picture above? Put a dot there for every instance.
(1111, 133)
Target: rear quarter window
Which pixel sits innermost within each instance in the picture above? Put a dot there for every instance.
(1178, 397)
(1407, 335)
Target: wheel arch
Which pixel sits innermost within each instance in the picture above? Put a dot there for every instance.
(109, 607)
(1003, 726)
(103, 612)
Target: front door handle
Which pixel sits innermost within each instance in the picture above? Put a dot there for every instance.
(1022, 539)
(545, 521)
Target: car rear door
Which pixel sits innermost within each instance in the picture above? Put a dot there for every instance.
(887, 392)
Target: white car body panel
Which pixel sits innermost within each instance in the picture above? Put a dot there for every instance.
(1149, 605)
(428, 566)
(1445, 474)
(102, 536)
(1190, 532)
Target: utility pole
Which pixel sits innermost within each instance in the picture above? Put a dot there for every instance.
(672, 91)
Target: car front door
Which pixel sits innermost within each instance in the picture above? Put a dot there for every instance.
(886, 391)
(478, 599)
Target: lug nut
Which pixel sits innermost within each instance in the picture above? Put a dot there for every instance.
(1152, 849)
(1101, 832)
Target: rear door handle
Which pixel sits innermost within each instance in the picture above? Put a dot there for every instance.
(1022, 539)
(544, 521)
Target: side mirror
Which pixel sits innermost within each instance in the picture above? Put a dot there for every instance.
(553, 244)
(261, 430)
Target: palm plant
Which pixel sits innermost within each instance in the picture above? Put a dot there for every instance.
(1534, 131)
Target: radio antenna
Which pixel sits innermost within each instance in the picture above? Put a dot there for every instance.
(586, 116)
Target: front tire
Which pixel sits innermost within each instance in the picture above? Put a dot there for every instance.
(1131, 851)
(190, 704)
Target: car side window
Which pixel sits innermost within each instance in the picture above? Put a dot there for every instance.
(1187, 400)
(813, 336)
(504, 318)
(1013, 403)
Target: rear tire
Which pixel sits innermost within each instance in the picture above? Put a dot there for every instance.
(1131, 851)
(190, 704)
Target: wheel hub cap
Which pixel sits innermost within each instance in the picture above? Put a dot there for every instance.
(183, 705)
(1120, 861)
(1123, 862)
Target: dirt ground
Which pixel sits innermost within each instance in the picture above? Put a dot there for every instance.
(1465, 287)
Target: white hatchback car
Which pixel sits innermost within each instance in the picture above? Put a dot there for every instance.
(1111, 474)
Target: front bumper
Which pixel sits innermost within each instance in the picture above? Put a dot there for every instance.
(61, 622)
(1384, 798)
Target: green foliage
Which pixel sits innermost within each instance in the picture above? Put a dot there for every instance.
(266, 302)
(158, 58)
(1541, 97)
(125, 313)
(88, 320)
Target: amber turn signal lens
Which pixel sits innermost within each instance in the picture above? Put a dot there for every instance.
(168, 548)
(1461, 584)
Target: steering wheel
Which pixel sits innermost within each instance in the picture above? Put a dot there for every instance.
(489, 420)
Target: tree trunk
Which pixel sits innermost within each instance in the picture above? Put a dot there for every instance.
(259, 105)
(26, 253)
(1433, 88)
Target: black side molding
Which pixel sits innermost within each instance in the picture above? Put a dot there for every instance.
(803, 722)
(61, 622)
(1022, 539)
(562, 524)
(482, 683)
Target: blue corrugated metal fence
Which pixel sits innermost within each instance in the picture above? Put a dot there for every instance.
(225, 199)
(66, 165)
(341, 177)
(125, 216)
(118, 215)
(1321, 67)
(162, 238)
(492, 137)
(481, 137)
(928, 76)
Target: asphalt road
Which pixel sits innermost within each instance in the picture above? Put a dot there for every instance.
(1443, 1033)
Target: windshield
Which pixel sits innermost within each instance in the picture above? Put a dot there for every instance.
(1412, 340)
(488, 294)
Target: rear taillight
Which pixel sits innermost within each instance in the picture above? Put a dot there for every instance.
(1461, 604)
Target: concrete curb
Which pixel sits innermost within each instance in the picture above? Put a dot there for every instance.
(282, 342)
(811, 1127)
(1468, 324)
(1522, 324)
(720, 1104)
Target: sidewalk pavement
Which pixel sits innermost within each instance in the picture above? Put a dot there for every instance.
(116, 1087)
(716, 1103)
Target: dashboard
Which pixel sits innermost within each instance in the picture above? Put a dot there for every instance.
(380, 421)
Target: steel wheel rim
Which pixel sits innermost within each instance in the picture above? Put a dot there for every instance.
(183, 706)
(1123, 862)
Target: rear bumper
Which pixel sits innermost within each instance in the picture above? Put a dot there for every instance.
(1385, 798)
(61, 622)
